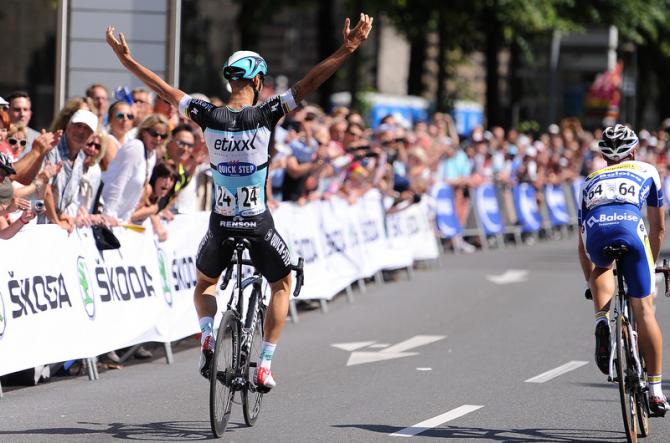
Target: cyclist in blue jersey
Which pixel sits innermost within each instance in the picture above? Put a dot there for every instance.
(612, 198)
(238, 137)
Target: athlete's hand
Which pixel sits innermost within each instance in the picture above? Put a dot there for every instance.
(353, 38)
(119, 46)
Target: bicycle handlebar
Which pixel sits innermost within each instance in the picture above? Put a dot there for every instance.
(665, 270)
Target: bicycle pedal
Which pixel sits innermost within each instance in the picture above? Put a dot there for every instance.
(263, 389)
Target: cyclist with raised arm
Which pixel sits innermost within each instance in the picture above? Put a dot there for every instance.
(238, 137)
(612, 198)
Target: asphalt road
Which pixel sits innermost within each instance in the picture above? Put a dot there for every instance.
(471, 346)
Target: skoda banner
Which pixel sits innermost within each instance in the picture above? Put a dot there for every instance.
(445, 211)
(525, 204)
(488, 209)
(556, 205)
(69, 300)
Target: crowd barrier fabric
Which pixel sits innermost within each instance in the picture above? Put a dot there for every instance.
(62, 299)
(666, 189)
(556, 205)
(525, 203)
(488, 209)
(445, 211)
(577, 191)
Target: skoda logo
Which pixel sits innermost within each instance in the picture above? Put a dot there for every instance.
(85, 287)
(268, 235)
(3, 318)
(165, 279)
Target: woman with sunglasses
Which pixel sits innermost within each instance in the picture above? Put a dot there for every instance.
(17, 139)
(127, 174)
(121, 119)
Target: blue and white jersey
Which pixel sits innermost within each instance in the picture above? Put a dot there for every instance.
(627, 185)
(238, 143)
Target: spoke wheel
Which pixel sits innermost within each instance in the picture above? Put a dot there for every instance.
(251, 397)
(625, 373)
(222, 372)
(642, 403)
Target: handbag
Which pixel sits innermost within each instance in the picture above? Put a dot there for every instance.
(103, 235)
(104, 238)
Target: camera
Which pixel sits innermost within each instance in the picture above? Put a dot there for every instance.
(37, 206)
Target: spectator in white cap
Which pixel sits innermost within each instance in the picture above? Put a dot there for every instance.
(4, 104)
(62, 198)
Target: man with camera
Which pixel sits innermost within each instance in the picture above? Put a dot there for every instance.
(62, 198)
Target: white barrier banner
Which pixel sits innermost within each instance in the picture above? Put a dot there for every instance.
(67, 300)
(43, 317)
(176, 264)
(130, 294)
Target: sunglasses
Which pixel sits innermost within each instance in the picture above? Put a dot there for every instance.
(13, 141)
(184, 144)
(93, 144)
(121, 115)
(155, 133)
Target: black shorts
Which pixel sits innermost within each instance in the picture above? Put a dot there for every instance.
(268, 250)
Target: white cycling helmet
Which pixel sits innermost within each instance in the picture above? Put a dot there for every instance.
(617, 142)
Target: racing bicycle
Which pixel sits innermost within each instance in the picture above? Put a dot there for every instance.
(626, 365)
(238, 342)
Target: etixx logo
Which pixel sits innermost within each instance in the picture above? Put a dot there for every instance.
(85, 287)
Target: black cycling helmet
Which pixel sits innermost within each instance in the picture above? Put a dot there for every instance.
(617, 142)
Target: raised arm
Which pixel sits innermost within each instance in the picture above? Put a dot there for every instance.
(148, 77)
(353, 38)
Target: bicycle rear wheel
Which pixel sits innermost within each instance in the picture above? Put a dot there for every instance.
(251, 396)
(222, 373)
(642, 404)
(626, 390)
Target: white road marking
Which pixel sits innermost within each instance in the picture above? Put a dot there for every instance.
(546, 376)
(352, 346)
(424, 369)
(436, 421)
(509, 276)
(395, 351)
(379, 346)
(414, 342)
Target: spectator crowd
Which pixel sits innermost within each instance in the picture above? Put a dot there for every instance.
(132, 157)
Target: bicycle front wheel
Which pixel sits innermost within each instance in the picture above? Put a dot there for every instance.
(222, 373)
(625, 370)
(251, 396)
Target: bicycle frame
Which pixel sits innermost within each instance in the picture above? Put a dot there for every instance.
(622, 308)
(236, 303)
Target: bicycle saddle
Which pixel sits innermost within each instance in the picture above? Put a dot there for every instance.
(615, 251)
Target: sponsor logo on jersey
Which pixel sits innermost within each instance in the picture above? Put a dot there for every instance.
(278, 244)
(238, 223)
(230, 145)
(611, 218)
(623, 166)
(236, 169)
